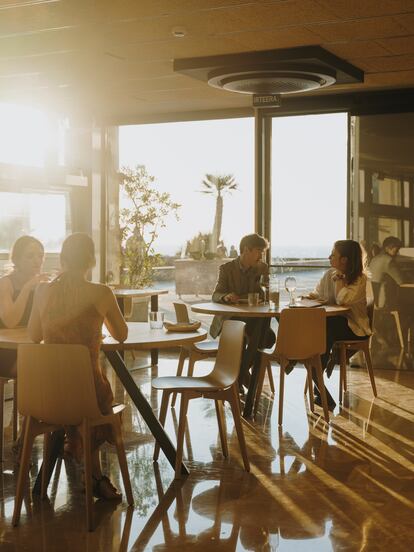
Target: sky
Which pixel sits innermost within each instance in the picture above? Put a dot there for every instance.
(308, 178)
(309, 157)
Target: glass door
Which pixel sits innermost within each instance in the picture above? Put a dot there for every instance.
(309, 194)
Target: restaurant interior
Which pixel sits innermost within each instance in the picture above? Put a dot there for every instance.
(263, 467)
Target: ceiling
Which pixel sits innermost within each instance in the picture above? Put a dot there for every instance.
(112, 60)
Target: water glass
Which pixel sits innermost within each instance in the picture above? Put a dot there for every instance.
(252, 299)
(156, 320)
(290, 285)
(274, 295)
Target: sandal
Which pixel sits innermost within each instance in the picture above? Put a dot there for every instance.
(103, 488)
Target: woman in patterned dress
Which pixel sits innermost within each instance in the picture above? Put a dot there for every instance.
(71, 309)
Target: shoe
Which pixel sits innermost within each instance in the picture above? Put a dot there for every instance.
(318, 400)
(289, 367)
(103, 488)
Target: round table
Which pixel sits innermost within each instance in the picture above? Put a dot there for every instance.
(142, 337)
(263, 312)
(260, 311)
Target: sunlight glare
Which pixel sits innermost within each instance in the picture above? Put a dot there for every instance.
(24, 135)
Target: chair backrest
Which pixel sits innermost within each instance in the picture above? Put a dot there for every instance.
(370, 312)
(181, 313)
(55, 383)
(229, 354)
(376, 290)
(302, 333)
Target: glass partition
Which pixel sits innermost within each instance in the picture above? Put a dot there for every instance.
(382, 207)
(309, 191)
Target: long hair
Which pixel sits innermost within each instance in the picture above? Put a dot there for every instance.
(78, 252)
(77, 255)
(351, 250)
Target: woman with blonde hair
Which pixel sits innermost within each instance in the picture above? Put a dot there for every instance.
(71, 309)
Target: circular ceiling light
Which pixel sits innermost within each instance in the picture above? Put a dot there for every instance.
(284, 79)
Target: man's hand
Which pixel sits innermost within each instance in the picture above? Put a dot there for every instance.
(231, 298)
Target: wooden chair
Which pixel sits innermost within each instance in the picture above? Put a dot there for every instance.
(56, 388)
(3, 382)
(342, 350)
(220, 385)
(194, 351)
(376, 288)
(302, 338)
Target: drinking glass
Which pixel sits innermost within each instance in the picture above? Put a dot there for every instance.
(252, 299)
(274, 295)
(290, 285)
(156, 320)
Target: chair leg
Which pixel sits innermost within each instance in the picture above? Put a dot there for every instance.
(15, 412)
(233, 398)
(28, 438)
(45, 465)
(2, 383)
(270, 378)
(180, 436)
(181, 360)
(281, 393)
(370, 370)
(264, 363)
(191, 361)
(398, 326)
(221, 421)
(309, 386)
(162, 416)
(87, 460)
(123, 465)
(321, 387)
(342, 371)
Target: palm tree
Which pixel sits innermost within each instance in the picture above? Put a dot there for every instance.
(218, 185)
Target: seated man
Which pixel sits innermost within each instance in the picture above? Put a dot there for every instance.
(387, 277)
(236, 279)
(386, 273)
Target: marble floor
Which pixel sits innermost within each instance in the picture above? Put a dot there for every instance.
(348, 486)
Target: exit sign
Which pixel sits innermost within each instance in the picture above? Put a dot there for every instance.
(266, 100)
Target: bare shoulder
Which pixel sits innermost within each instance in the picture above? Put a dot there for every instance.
(100, 293)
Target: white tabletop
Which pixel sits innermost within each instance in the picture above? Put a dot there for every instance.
(260, 311)
(140, 336)
(121, 293)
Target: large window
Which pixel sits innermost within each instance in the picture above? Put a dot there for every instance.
(43, 215)
(309, 192)
(180, 156)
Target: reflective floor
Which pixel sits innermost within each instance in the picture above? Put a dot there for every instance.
(346, 487)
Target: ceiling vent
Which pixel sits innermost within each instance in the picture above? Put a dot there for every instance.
(288, 71)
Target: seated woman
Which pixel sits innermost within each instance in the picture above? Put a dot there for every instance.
(16, 292)
(343, 284)
(72, 310)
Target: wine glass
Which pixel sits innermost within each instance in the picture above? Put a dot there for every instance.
(290, 285)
